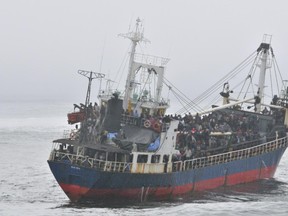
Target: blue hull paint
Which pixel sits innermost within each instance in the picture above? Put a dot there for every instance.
(65, 173)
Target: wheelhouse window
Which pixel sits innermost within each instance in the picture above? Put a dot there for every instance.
(165, 158)
(142, 158)
(155, 159)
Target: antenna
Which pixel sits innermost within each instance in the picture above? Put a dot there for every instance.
(90, 75)
(137, 35)
(267, 39)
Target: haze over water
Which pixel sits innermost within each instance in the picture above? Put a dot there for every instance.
(44, 43)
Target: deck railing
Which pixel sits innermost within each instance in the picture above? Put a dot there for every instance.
(114, 166)
(231, 156)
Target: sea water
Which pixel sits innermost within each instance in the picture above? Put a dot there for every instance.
(27, 187)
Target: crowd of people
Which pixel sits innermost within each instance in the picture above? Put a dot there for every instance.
(218, 131)
(201, 135)
(197, 135)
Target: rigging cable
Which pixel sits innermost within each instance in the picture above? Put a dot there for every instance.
(250, 76)
(183, 97)
(274, 61)
(219, 83)
(276, 77)
(123, 64)
(179, 98)
(271, 81)
(216, 99)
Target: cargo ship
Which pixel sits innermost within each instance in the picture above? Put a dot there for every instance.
(127, 147)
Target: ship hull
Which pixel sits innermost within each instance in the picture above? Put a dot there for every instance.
(81, 183)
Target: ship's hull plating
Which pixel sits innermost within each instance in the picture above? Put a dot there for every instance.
(87, 183)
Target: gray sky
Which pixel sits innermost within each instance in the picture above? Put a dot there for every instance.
(44, 43)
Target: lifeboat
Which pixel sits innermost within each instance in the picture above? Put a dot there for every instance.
(75, 117)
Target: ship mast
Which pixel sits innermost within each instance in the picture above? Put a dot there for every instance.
(136, 37)
(90, 75)
(263, 65)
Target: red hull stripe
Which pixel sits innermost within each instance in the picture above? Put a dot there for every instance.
(75, 192)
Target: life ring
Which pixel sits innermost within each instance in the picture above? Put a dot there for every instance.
(147, 124)
(156, 126)
(72, 135)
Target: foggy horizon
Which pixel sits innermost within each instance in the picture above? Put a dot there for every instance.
(45, 43)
